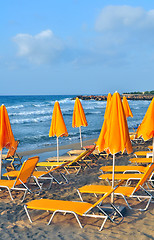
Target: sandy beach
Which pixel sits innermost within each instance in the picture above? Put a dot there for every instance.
(14, 223)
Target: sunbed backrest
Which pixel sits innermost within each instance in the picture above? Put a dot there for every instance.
(105, 196)
(145, 177)
(12, 150)
(26, 170)
(58, 167)
(80, 156)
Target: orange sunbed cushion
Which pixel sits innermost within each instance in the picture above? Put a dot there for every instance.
(52, 205)
(11, 174)
(101, 189)
(141, 160)
(49, 164)
(7, 183)
(142, 153)
(123, 168)
(122, 176)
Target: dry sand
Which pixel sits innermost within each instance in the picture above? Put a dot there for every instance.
(14, 223)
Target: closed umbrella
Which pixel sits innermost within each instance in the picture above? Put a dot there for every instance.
(126, 107)
(79, 118)
(109, 97)
(146, 128)
(114, 135)
(57, 127)
(6, 134)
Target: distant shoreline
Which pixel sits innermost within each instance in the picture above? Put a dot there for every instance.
(61, 147)
(135, 97)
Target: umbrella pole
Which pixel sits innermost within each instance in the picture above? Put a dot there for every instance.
(57, 150)
(112, 195)
(80, 136)
(0, 164)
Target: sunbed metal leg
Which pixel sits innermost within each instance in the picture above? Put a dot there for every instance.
(51, 181)
(52, 217)
(139, 209)
(65, 212)
(98, 216)
(37, 182)
(127, 202)
(78, 171)
(10, 194)
(9, 190)
(63, 176)
(66, 170)
(77, 219)
(25, 207)
(54, 179)
(80, 195)
(103, 223)
(117, 211)
(24, 195)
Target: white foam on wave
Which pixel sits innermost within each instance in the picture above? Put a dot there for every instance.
(42, 105)
(30, 120)
(15, 106)
(40, 112)
(65, 100)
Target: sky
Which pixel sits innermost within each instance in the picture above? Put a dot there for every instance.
(76, 46)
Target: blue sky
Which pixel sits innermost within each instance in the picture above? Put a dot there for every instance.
(76, 46)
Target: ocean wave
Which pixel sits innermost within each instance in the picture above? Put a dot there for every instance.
(30, 120)
(94, 112)
(15, 106)
(42, 105)
(26, 113)
(65, 100)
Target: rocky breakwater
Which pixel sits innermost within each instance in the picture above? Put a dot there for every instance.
(128, 96)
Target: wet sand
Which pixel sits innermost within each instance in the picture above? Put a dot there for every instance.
(14, 223)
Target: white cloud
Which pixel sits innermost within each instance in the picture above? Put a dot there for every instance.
(119, 17)
(125, 34)
(41, 48)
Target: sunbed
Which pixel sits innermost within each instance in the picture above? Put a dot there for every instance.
(40, 176)
(77, 163)
(141, 160)
(143, 153)
(20, 183)
(125, 176)
(125, 192)
(96, 153)
(89, 156)
(76, 208)
(12, 156)
(92, 153)
(123, 169)
(135, 139)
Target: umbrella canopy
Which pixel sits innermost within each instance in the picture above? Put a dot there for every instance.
(109, 97)
(126, 107)
(58, 127)
(79, 118)
(6, 134)
(146, 128)
(114, 136)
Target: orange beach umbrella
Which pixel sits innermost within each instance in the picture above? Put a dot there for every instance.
(6, 134)
(57, 127)
(109, 97)
(114, 135)
(126, 107)
(146, 128)
(79, 118)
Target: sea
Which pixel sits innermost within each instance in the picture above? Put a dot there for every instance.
(30, 118)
